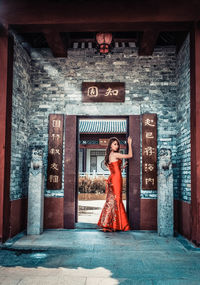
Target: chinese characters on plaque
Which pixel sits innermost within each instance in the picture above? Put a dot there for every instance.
(103, 142)
(103, 92)
(149, 151)
(55, 151)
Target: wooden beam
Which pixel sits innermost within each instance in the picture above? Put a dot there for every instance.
(148, 42)
(93, 11)
(56, 44)
(106, 27)
(6, 79)
(3, 31)
(195, 133)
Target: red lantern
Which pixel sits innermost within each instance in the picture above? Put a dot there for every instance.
(104, 40)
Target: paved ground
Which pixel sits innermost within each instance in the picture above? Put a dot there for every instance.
(89, 211)
(91, 257)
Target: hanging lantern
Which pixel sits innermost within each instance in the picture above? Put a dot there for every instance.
(104, 42)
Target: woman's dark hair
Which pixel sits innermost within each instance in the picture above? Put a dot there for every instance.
(108, 150)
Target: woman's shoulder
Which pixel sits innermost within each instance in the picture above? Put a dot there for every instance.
(113, 158)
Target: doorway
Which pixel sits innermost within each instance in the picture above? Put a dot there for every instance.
(71, 169)
(93, 136)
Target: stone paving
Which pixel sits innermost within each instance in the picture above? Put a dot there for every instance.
(90, 210)
(89, 256)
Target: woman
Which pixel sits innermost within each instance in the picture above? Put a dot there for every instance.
(113, 216)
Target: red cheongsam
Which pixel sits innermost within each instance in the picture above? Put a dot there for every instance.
(113, 215)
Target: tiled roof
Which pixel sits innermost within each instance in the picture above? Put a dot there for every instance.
(99, 126)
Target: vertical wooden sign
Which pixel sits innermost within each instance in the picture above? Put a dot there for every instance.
(149, 152)
(55, 152)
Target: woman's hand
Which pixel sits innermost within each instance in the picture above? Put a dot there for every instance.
(129, 140)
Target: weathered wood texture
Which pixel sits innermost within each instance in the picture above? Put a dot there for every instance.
(134, 174)
(149, 152)
(55, 152)
(6, 79)
(70, 179)
(195, 133)
(81, 12)
(103, 92)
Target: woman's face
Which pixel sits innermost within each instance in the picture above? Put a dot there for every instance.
(114, 146)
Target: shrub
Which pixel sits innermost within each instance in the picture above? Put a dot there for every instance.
(87, 184)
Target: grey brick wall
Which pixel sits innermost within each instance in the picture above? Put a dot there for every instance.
(20, 122)
(183, 123)
(151, 86)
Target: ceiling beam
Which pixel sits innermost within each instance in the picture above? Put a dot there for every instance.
(92, 40)
(106, 27)
(81, 12)
(148, 42)
(56, 44)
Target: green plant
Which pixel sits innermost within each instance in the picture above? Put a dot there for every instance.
(87, 184)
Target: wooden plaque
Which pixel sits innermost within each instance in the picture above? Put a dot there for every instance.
(55, 152)
(103, 92)
(149, 152)
(103, 142)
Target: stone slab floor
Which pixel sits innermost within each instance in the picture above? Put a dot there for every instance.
(90, 257)
(90, 210)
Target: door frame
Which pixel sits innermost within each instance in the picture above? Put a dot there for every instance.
(71, 168)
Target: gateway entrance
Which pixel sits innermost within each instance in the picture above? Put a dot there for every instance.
(93, 136)
(84, 167)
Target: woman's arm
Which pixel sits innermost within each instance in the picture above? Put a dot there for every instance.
(129, 155)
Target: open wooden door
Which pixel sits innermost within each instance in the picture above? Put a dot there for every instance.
(133, 198)
(70, 168)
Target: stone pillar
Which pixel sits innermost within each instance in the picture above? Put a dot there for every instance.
(35, 194)
(165, 199)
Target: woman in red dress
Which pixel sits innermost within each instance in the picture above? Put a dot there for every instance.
(113, 216)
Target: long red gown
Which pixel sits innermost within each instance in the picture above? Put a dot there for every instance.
(113, 215)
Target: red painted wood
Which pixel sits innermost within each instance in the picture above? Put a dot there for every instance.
(148, 214)
(195, 133)
(70, 165)
(18, 216)
(149, 151)
(53, 213)
(6, 71)
(133, 208)
(114, 27)
(97, 146)
(56, 43)
(55, 151)
(148, 42)
(81, 12)
(182, 218)
(103, 91)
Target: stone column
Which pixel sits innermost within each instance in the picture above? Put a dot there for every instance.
(165, 201)
(36, 194)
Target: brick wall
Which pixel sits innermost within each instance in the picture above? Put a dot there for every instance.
(183, 123)
(20, 122)
(151, 86)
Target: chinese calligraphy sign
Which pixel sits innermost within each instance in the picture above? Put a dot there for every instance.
(103, 142)
(149, 152)
(103, 92)
(55, 152)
